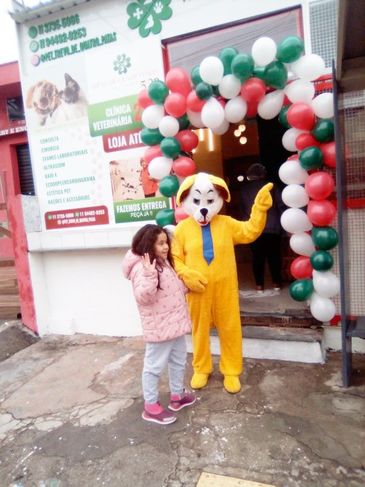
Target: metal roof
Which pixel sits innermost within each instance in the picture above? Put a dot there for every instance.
(22, 12)
(350, 66)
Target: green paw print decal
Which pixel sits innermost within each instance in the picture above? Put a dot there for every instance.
(122, 63)
(146, 15)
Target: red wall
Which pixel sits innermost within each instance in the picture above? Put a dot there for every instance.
(15, 247)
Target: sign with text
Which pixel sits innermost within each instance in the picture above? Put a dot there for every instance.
(81, 75)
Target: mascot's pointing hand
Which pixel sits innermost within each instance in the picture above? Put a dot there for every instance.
(263, 198)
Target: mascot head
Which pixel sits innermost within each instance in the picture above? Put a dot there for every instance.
(202, 196)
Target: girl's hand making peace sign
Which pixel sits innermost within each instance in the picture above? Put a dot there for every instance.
(146, 262)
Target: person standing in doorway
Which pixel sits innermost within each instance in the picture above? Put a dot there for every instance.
(268, 246)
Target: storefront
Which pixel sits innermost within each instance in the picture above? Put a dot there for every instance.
(82, 68)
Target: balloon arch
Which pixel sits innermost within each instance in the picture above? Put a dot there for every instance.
(225, 89)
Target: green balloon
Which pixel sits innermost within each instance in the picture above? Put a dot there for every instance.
(165, 217)
(184, 122)
(283, 116)
(301, 289)
(158, 91)
(151, 136)
(203, 91)
(325, 238)
(290, 49)
(195, 76)
(170, 147)
(321, 260)
(311, 158)
(324, 130)
(226, 56)
(242, 66)
(259, 72)
(169, 185)
(276, 75)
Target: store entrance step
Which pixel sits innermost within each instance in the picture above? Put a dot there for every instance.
(303, 345)
(295, 318)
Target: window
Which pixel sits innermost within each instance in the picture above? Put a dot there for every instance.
(25, 170)
(15, 109)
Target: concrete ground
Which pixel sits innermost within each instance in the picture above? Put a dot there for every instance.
(70, 416)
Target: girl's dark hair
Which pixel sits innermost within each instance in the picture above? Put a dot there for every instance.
(143, 243)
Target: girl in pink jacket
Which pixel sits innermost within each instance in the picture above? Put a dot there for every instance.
(161, 302)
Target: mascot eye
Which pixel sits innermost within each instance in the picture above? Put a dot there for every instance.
(196, 201)
(210, 202)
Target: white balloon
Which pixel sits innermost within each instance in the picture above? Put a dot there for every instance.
(323, 105)
(168, 126)
(152, 115)
(291, 172)
(211, 70)
(295, 196)
(160, 167)
(300, 91)
(195, 119)
(326, 283)
(289, 138)
(309, 67)
(302, 244)
(294, 220)
(235, 109)
(269, 107)
(263, 51)
(212, 113)
(323, 309)
(222, 129)
(230, 86)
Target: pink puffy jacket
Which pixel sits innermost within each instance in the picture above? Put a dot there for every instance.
(164, 312)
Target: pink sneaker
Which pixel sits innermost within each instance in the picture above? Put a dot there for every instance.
(178, 402)
(157, 414)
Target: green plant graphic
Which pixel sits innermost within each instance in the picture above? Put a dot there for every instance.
(122, 63)
(146, 15)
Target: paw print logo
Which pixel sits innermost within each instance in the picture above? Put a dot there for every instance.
(122, 63)
(146, 15)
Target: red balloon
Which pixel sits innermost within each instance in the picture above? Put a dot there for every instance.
(222, 101)
(178, 81)
(180, 214)
(306, 140)
(193, 102)
(175, 104)
(319, 185)
(301, 268)
(253, 89)
(188, 140)
(329, 154)
(143, 99)
(294, 157)
(152, 152)
(184, 166)
(301, 116)
(321, 213)
(251, 109)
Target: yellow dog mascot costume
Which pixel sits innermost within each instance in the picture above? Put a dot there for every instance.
(203, 252)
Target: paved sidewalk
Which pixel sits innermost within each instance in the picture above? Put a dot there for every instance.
(70, 416)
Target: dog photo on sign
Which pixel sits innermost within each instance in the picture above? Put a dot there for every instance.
(52, 105)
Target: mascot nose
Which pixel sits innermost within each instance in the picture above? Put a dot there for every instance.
(204, 212)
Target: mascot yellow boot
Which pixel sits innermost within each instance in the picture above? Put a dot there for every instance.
(203, 252)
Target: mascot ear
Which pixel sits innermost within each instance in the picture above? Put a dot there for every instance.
(184, 189)
(223, 193)
(221, 186)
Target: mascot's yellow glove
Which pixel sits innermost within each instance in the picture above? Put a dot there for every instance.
(263, 200)
(194, 280)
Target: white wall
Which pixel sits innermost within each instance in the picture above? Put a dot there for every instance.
(83, 292)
